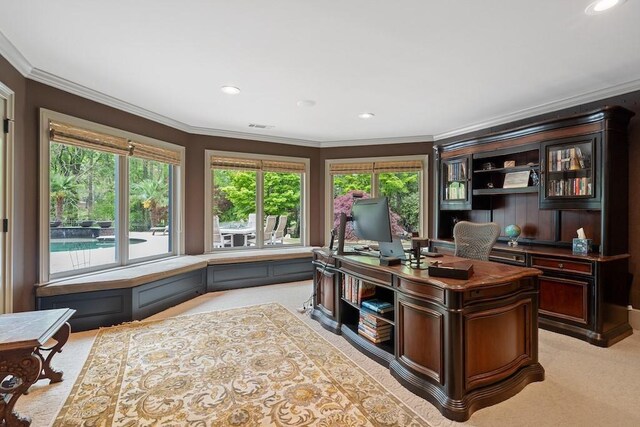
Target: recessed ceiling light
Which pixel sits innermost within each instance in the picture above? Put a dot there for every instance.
(366, 115)
(600, 6)
(230, 90)
(306, 103)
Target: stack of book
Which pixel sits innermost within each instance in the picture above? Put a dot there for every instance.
(356, 290)
(373, 328)
(377, 306)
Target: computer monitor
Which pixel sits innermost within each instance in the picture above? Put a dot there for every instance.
(370, 218)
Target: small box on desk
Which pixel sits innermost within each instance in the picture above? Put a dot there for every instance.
(454, 270)
(581, 246)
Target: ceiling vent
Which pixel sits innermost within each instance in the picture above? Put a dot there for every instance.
(259, 126)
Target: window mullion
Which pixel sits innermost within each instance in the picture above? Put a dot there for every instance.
(375, 184)
(122, 209)
(260, 208)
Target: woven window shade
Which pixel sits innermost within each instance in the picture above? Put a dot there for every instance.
(151, 152)
(275, 166)
(234, 163)
(398, 166)
(347, 168)
(78, 137)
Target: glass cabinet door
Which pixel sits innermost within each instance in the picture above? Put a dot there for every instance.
(455, 188)
(570, 174)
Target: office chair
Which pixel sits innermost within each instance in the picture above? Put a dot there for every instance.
(475, 240)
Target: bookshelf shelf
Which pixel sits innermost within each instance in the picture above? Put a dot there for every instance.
(387, 317)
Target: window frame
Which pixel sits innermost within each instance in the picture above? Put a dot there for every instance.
(208, 225)
(328, 185)
(122, 189)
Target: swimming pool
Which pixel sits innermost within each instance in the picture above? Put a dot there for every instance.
(67, 245)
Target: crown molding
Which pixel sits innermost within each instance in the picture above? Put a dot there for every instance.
(252, 136)
(549, 107)
(13, 55)
(376, 141)
(18, 61)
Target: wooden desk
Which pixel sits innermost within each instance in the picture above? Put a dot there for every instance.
(460, 344)
(22, 355)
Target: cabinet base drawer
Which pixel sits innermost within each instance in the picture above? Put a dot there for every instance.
(565, 299)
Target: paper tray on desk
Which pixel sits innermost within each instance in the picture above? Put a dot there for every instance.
(454, 270)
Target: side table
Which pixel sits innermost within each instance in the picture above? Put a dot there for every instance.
(24, 360)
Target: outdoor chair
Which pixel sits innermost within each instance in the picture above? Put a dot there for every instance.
(220, 240)
(268, 228)
(475, 240)
(278, 233)
(250, 238)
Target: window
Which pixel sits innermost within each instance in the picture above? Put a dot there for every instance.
(110, 198)
(401, 179)
(255, 201)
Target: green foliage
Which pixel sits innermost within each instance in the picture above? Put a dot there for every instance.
(234, 195)
(344, 183)
(83, 186)
(403, 191)
(82, 183)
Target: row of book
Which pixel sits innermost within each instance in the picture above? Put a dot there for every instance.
(570, 187)
(373, 328)
(456, 171)
(356, 290)
(455, 191)
(567, 159)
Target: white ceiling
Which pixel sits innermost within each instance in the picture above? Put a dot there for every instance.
(427, 69)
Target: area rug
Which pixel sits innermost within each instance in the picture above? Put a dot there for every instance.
(252, 366)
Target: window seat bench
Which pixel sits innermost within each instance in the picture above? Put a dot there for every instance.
(138, 291)
(241, 269)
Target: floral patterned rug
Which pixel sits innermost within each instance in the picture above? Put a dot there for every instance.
(253, 366)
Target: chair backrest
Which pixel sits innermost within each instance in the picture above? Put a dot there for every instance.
(475, 240)
(217, 236)
(251, 222)
(269, 226)
(282, 223)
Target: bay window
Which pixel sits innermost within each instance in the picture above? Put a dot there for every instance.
(108, 198)
(255, 201)
(403, 180)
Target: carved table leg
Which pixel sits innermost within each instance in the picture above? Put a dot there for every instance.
(19, 369)
(61, 338)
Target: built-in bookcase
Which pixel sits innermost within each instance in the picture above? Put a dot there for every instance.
(365, 324)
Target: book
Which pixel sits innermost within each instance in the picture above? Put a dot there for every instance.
(377, 332)
(374, 340)
(365, 291)
(378, 306)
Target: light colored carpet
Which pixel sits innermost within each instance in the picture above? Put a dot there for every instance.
(242, 367)
(584, 386)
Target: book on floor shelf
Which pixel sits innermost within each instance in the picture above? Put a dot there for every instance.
(377, 306)
(355, 290)
(374, 329)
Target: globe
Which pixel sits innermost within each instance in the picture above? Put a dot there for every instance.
(512, 231)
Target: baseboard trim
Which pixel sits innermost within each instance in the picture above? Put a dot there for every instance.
(634, 318)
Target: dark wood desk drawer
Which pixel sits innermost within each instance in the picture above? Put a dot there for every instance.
(421, 290)
(563, 298)
(369, 274)
(570, 266)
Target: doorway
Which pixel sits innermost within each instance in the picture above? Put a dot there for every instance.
(6, 145)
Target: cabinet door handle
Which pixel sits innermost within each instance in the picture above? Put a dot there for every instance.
(560, 265)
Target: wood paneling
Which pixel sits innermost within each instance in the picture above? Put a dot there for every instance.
(420, 351)
(570, 221)
(564, 298)
(498, 342)
(522, 209)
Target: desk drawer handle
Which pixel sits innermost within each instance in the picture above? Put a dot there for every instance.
(560, 265)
